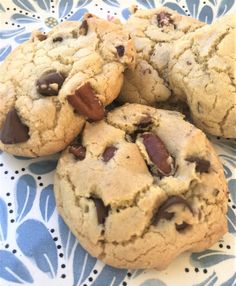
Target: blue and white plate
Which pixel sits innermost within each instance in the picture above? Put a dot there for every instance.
(36, 247)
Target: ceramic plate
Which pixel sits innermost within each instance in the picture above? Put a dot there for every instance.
(36, 247)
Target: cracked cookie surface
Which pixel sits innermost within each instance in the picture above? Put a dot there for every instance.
(140, 187)
(52, 83)
(154, 32)
(202, 69)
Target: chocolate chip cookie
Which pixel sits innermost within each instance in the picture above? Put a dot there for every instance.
(149, 189)
(52, 83)
(155, 32)
(202, 69)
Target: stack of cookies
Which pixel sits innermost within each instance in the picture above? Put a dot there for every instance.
(137, 183)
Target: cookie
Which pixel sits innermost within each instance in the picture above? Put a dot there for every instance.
(202, 69)
(155, 32)
(52, 83)
(149, 189)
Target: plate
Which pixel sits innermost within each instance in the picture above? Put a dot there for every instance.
(36, 246)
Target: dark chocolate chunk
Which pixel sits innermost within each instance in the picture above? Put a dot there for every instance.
(86, 103)
(83, 29)
(164, 19)
(13, 130)
(49, 84)
(78, 151)
(202, 165)
(120, 50)
(41, 37)
(57, 39)
(108, 153)
(157, 153)
(162, 210)
(102, 210)
(182, 226)
(144, 122)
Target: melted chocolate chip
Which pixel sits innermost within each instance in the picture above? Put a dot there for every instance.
(109, 153)
(157, 153)
(182, 226)
(57, 39)
(13, 130)
(120, 50)
(144, 122)
(49, 84)
(162, 211)
(202, 165)
(102, 210)
(164, 19)
(41, 37)
(86, 103)
(78, 151)
(83, 29)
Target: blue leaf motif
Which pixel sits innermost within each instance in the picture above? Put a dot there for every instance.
(2, 8)
(214, 2)
(110, 276)
(232, 188)
(24, 4)
(12, 269)
(22, 158)
(147, 3)
(231, 281)
(193, 7)
(224, 7)
(67, 238)
(64, 7)
(83, 264)
(208, 258)
(153, 282)
(229, 159)
(23, 19)
(4, 52)
(3, 220)
(126, 13)
(206, 14)
(82, 3)
(47, 202)
(6, 34)
(227, 171)
(114, 3)
(41, 249)
(175, 7)
(43, 167)
(210, 281)
(44, 4)
(21, 39)
(231, 220)
(25, 195)
(78, 15)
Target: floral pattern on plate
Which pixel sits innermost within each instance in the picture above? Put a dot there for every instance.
(36, 246)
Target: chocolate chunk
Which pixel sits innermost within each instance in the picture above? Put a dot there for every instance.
(86, 103)
(120, 50)
(102, 210)
(83, 29)
(57, 39)
(144, 122)
(41, 37)
(157, 153)
(49, 84)
(108, 153)
(13, 130)
(164, 19)
(162, 211)
(182, 226)
(78, 151)
(202, 165)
